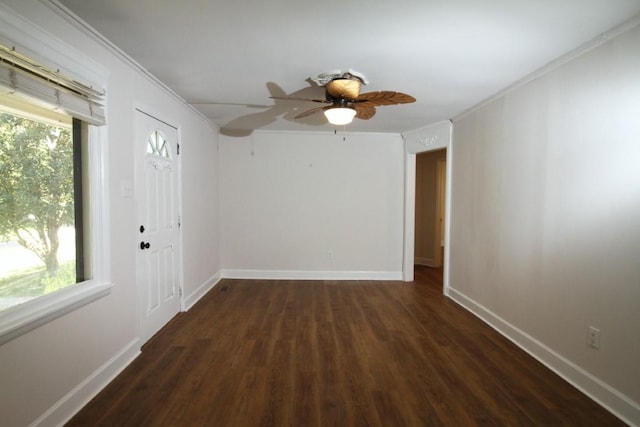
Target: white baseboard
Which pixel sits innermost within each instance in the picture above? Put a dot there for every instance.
(311, 275)
(201, 291)
(64, 409)
(608, 397)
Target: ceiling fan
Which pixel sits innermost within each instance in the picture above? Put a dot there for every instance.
(342, 92)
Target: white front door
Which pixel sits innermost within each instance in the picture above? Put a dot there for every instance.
(157, 261)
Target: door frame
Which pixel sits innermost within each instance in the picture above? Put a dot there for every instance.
(441, 183)
(156, 115)
(429, 139)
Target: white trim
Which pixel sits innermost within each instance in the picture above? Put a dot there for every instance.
(428, 138)
(617, 403)
(75, 21)
(94, 35)
(100, 202)
(438, 226)
(437, 136)
(47, 49)
(179, 212)
(311, 275)
(22, 318)
(202, 290)
(39, 44)
(409, 216)
(556, 63)
(447, 215)
(65, 408)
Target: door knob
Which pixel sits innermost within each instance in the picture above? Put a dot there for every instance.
(144, 245)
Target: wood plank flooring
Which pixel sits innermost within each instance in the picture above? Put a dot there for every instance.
(325, 353)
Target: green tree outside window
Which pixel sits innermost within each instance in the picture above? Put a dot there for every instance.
(36, 186)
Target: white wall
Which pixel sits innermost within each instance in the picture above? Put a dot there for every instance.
(545, 232)
(201, 210)
(312, 205)
(50, 371)
(545, 226)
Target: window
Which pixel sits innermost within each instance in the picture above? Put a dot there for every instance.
(157, 145)
(41, 209)
(53, 213)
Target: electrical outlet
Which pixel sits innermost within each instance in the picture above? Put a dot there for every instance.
(593, 337)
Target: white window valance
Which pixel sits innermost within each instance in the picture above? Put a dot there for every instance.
(24, 77)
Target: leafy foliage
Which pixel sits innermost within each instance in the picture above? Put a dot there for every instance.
(36, 282)
(36, 185)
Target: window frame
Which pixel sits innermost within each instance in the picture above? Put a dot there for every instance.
(22, 318)
(47, 49)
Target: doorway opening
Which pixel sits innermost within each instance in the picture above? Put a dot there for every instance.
(430, 202)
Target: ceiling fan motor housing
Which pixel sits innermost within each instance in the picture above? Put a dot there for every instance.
(343, 88)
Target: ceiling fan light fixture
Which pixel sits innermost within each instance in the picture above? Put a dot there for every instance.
(340, 115)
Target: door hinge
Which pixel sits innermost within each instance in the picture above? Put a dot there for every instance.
(178, 149)
(180, 292)
(179, 221)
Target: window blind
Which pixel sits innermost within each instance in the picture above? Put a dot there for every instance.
(24, 77)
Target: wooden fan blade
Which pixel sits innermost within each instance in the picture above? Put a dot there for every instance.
(365, 112)
(310, 112)
(286, 98)
(385, 98)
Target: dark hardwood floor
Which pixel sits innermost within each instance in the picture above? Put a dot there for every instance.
(325, 353)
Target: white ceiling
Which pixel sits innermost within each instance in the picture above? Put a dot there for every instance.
(227, 57)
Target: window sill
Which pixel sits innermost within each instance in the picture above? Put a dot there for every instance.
(20, 319)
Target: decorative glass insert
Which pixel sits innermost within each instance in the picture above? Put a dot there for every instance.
(157, 144)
